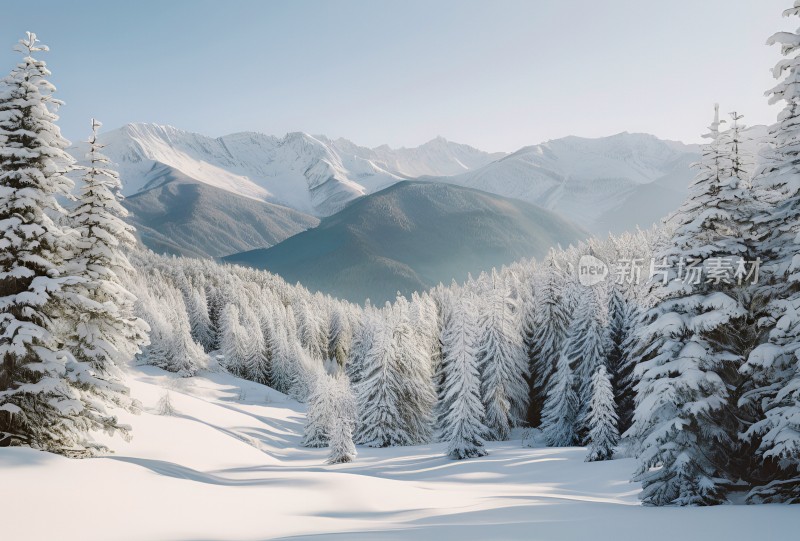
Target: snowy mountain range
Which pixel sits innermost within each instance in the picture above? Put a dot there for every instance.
(255, 190)
(604, 184)
(313, 175)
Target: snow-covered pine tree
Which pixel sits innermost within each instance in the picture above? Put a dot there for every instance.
(601, 418)
(320, 413)
(685, 424)
(171, 345)
(341, 431)
(502, 360)
(202, 328)
(640, 296)
(413, 363)
(619, 312)
(425, 322)
(231, 343)
(254, 359)
(282, 365)
(586, 347)
(774, 366)
(379, 394)
(48, 399)
(215, 299)
(544, 334)
(560, 413)
(362, 343)
(624, 378)
(340, 335)
(444, 299)
(311, 326)
(305, 369)
(462, 410)
(102, 328)
(187, 356)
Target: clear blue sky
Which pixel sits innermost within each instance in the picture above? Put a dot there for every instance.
(498, 75)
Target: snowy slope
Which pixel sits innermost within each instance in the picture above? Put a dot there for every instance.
(311, 174)
(585, 180)
(228, 466)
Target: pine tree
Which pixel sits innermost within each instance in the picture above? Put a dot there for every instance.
(602, 418)
(619, 330)
(586, 347)
(413, 363)
(202, 329)
(502, 361)
(103, 331)
(231, 341)
(186, 357)
(320, 412)
(339, 336)
(216, 300)
(171, 345)
(302, 368)
(254, 360)
(774, 366)
(312, 328)
(341, 432)
(560, 413)
(462, 409)
(685, 424)
(362, 343)
(545, 333)
(379, 393)
(282, 366)
(48, 399)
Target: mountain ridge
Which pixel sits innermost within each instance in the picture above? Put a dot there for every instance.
(312, 174)
(409, 237)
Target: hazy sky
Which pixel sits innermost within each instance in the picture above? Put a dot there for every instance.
(494, 74)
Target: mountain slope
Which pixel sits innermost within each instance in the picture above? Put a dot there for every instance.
(609, 183)
(314, 175)
(410, 237)
(183, 217)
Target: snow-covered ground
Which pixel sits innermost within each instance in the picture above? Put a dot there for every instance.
(228, 465)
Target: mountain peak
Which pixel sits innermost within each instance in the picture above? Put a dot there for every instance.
(312, 174)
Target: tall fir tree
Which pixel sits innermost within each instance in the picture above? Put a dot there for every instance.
(379, 393)
(502, 360)
(560, 413)
(342, 448)
(545, 333)
(601, 418)
(685, 421)
(282, 365)
(774, 366)
(320, 412)
(48, 399)
(103, 331)
(463, 415)
(413, 363)
(586, 347)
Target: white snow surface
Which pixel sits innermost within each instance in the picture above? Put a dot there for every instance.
(228, 465)
(312, 174)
